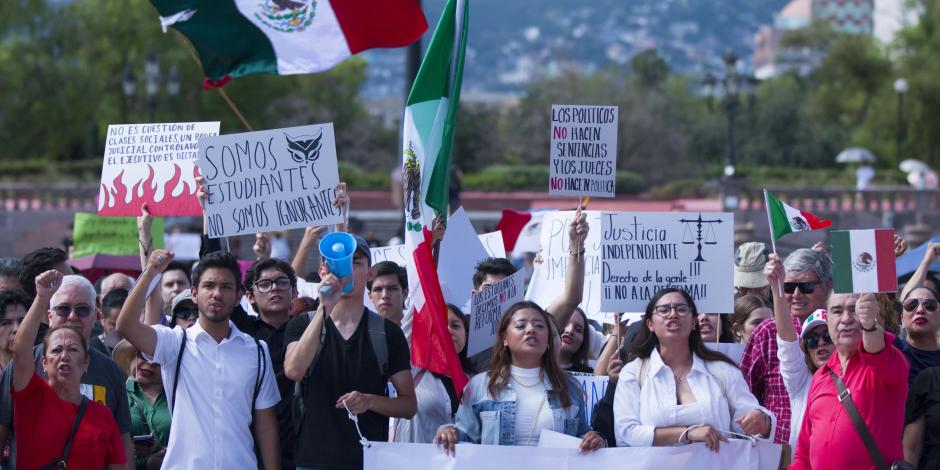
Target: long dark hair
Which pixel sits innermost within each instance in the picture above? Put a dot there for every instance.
(646, 340)
(579, 358)
(465, 363)
(502, 358)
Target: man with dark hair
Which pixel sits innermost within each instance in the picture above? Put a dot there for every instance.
(224, 386)
(388, 289)
(490, 271)
(175, 280)
(38, 262)
(110, 308)
(10, 273)
(13, 306)
(271, 286)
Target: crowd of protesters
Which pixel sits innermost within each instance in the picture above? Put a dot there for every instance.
(205, 366)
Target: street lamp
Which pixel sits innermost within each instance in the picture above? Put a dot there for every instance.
(152, 79)
(900, 87)
(728, 87)
(152, 83)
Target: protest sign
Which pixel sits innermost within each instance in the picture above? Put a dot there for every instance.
(644, 252)
(736, 454)
(732, 350)
(583, 155)
(393, 253)
(461, 250)
(863, 261)
(270, 180)
(548, 276)
(110, 235)
(593, 387)
(152, 164)
(185, 246)
(488, 306)
(493, 244)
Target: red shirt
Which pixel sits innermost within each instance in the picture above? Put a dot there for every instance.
(878, 385)
(761, 370)
(42, 422)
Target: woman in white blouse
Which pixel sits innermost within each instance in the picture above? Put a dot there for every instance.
(674, 390)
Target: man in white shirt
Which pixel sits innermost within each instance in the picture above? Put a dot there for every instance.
(225, 383)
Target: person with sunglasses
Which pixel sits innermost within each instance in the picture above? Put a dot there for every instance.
(920, 320)
(150, 410)
(806, 283)
(674, 390)
(183, 310)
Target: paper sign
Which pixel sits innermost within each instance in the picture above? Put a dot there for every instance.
(487, 307)
(583, 155)
(393, 253)
(548, 277)
(557, 440)
(645, 252)
(185, 246)
(153, 164)
(110, 235)
(461, 250)
(270, 180)
(493, 244)
(594, 387)
(732, 350)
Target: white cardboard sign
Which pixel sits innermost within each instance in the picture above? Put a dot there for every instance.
(461, 250)
(488, 306)
(270, 180)
(393, 253)
(583, 153)
(153, 164)
(644, 252)
(493, 244)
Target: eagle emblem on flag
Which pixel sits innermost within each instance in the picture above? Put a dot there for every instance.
(286, 16)
(864, 262)
(411, 176)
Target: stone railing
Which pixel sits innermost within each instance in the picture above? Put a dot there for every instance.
(828, 200)
(25, 197)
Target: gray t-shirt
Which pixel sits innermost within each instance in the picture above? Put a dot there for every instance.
(104, 382)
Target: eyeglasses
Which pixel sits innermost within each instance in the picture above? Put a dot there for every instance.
(265, 285)
(65, 310)
(681, 310)
(930, 305)
(805, 287)
(186, 314)
(812, 341)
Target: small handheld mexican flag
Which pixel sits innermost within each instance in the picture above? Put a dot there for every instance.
(785, 219)
(863, 261)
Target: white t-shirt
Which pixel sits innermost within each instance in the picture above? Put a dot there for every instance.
(533, 412)
(796, 379)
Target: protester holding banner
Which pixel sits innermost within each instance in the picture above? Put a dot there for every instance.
(806, 287)
(860, 391)
(52, 415)
(749, 312)
(524, 377)
(676, 390)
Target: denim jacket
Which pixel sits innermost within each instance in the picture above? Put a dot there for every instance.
(483, 419)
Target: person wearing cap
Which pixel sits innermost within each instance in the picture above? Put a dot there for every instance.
(806, 285)
(749, 261)
(342, 374)
(183, 310)
(150, 411)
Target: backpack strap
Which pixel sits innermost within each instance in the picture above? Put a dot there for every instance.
(379, 341)
(262, 370)
(176, 373)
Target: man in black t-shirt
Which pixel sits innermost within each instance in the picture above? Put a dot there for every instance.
(344, 372)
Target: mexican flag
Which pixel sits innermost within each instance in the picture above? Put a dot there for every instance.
(427, 136)
(240, 37)
(863, 261)
(785, 219)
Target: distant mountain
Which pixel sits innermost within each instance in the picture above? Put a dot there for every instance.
(515, 41)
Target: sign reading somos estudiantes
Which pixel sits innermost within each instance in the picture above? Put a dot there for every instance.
(583, 151)
(270, 180)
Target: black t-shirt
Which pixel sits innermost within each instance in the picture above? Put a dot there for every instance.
(919, 359)
(924, 400)
(328, 438)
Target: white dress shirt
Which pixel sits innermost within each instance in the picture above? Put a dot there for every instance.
(637, 413)
(212, 413)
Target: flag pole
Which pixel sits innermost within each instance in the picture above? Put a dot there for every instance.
(773, 238)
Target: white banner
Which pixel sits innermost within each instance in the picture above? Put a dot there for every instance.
(583, 153)
(487, 307)
(270, 180)
(736, 454)
(644, 252)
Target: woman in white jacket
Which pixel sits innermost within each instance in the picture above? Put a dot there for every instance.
(674, 390)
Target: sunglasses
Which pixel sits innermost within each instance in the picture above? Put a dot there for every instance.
(812, 341)
(805, 287)
(187, 314)
(930, 305)
(65, 310)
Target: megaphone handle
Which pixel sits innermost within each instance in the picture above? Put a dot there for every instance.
(326, 291)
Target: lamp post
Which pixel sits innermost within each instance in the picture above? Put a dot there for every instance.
(900, 86)
(728, 87)
(152, 84)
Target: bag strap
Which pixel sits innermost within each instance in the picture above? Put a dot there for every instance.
(644, 371)
(378, 340)
(860, 427)
(262, 370)
(420, 375)
(176, 373)
(60, 463)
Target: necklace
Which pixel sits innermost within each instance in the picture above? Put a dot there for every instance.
(537, 383)
(535, 420)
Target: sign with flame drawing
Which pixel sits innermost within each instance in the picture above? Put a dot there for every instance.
(153, 164)
(270, 180)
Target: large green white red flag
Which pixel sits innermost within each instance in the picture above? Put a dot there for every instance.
(240, 37)
(427, 136)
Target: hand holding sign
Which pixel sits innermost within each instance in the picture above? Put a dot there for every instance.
(583, 152)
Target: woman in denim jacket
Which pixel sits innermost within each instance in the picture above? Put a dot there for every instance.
(524, 392)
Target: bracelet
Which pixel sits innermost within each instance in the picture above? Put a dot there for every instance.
(869, 330)
(683, 438)
(147, 247)
(576, 253)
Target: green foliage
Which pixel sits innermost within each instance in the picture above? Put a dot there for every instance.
(534, 178)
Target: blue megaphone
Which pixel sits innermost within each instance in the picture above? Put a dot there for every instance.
(337, 250)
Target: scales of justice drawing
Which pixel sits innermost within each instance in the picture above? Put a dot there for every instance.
(700, 224)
